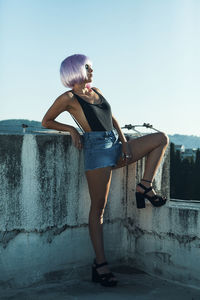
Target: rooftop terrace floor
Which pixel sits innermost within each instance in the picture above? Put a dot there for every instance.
(133, 284)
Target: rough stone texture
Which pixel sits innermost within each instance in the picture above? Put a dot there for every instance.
(75, 284)
(165, 241)
(44, 208)
(44, 216)
(10, 181)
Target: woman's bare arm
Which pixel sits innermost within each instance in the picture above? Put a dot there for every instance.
(117, 127)
(60, 105)
(125, 145)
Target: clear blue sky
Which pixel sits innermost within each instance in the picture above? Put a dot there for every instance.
(145, 53)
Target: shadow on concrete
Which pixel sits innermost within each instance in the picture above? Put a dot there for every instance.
(133, 284)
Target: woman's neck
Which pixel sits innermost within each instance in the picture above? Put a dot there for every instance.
(81, 89)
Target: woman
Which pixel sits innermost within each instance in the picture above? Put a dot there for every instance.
(105, 147)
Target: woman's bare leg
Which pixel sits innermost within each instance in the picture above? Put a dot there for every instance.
(99, 184)
(153, 146)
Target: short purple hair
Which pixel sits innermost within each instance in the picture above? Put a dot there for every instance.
(72, 69)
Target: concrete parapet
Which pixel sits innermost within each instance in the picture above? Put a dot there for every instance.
(44, 211)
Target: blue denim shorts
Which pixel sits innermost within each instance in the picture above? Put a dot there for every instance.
(101, 149)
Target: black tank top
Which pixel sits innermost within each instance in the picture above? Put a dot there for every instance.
(99, 116)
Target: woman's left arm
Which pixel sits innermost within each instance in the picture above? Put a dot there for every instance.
(122, 138)
(117, 127)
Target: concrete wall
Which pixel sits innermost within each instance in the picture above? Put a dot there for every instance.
(44, 206)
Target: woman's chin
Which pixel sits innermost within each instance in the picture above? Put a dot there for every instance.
(88, 80)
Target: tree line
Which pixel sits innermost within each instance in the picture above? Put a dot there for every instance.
(184, 176)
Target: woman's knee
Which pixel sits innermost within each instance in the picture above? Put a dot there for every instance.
(96, 215)
(97, 210)
(164, 138)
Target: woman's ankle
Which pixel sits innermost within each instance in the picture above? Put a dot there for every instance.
(100, 260)
(146, 182)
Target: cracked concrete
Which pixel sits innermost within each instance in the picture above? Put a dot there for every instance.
(133, 284)
(44, 211)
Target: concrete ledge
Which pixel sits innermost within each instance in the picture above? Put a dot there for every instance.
(75, 284)
(44, 216)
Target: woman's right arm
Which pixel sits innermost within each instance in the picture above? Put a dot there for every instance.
(60, 105)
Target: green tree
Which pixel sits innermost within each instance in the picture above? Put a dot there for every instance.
(196, 177)
(175, 163)
(184, 176)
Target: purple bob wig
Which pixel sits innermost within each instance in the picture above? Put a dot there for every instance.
(72, 69)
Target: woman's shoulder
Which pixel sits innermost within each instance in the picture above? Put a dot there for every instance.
(98, 90)
(66, 96)
(64, 99)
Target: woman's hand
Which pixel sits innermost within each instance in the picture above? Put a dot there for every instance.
(126, 156)
(126, 153)
(76, 138)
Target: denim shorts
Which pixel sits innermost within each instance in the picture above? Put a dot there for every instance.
(101, 149)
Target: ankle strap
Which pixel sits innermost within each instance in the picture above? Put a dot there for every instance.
(100, 265)
(146, 180)
(145, 188)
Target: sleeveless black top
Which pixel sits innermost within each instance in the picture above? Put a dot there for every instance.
(99, 116)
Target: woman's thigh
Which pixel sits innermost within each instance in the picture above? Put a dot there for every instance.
(141, 146)
(99, 184)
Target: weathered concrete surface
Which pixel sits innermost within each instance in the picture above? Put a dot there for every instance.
(44, 216)
(76, 284)
(165, 241)
(44, 208)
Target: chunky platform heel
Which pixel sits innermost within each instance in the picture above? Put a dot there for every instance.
(155, 200)
(103, 279)
(140, 200)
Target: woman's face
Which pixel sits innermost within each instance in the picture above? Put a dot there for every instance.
(89, 71)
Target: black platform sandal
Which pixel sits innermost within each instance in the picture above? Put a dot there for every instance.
(103, 279)
(155, 200)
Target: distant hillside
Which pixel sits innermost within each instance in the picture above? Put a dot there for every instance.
(189, 141)
(15, 126)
